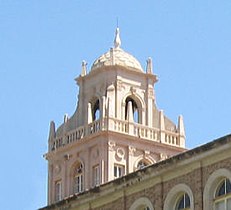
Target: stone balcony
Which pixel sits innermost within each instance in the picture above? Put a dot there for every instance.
(121, 126)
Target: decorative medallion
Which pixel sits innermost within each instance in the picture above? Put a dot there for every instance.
(120, 152)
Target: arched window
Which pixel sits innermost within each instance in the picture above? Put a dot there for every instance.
(96, 111)
(180, 197)
(135, 109)
(222, 198)
(183, 202)
(217, 193)
(78, 178)
(142, 163)
(142, 203)
(142, 207)
(58, 190)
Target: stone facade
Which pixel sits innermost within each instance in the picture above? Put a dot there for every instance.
(118, 151)
(197, 172)
(116, 129)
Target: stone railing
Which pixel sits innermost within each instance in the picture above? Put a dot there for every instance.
(120, 126)
(133, 129)
(172, 138)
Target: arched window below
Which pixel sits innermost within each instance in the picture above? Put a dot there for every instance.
(142, 203)
(142, 163)
(78, 178)
(222, 200)
(180, 197)
(183, 202)
(143, 207)
(58, 190)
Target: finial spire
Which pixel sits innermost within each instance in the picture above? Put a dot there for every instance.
(117, 41)
(84, 68)
(149, 66)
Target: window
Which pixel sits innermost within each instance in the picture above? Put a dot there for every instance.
(146, 208)
(118, 171)
(58, 190)
(142, 207)
(78, 178)
(222, 199)
(142, 163)
(183, 202)
(135, 110)
(211, 198)
(142, 203)
(96, 175)
(180, 197)
(96, 111)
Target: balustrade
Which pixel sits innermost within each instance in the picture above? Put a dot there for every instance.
(120, 126)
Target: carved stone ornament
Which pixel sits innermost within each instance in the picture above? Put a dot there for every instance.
(131, 150)
(146, 153)
(120, 152)
(150, 92)
(163, 156)
(111, 87)
(133, 90)
(119, 84)
(111, 145)
(57, 169)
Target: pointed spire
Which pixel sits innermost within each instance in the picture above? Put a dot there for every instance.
(84, 68)
(52, 130)
(117, 41)
(65, 118)
(52, 135)
(181, 125)
(181, 132)
(162, 126)
(149, 66)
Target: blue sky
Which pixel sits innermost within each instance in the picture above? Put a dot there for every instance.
(43, 42)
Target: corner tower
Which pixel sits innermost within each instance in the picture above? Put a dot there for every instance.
(115, 130)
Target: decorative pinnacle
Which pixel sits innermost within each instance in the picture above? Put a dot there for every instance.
(117, 41)
(149, 66)
(84, 68)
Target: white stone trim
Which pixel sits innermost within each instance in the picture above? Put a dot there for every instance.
(173, 196)
(211, 186)
(141, 202)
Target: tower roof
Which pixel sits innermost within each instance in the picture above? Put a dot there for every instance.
(117, 56)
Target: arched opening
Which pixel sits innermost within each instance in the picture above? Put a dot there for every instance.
(58, 190)
(136, 110)
(183, 202)
(142, 203)
(217, 190)
(142, 164)
(96, 111)
(222, 198)
(78, 177)
(180, 197)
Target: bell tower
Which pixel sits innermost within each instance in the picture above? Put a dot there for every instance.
(115, 130)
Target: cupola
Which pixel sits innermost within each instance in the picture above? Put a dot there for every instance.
(117, 56)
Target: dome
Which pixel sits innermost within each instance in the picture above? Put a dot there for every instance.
(117, 56)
